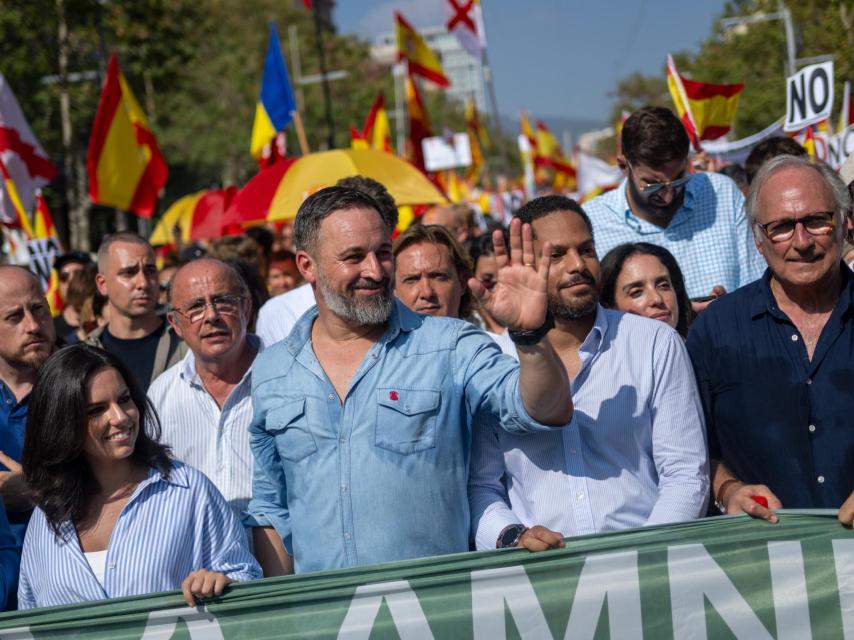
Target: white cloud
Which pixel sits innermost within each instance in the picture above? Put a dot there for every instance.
(419, 13)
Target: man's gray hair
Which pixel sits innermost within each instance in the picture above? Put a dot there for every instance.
(830, 178)
(320, 205)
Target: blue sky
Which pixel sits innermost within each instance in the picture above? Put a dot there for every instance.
(559, 57)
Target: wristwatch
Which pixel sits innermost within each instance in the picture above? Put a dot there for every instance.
(527, 338)
(510, 536)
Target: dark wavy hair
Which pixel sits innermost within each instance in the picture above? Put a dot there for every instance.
(57, 475)
(612, 266)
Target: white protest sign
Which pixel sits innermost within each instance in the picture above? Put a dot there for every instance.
(809, 96)
(840, 146)
(439, 155)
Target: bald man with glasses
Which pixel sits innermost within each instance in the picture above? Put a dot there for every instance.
(775, 359)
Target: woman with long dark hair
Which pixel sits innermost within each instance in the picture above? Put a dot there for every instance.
(645, 279)
(116, 516)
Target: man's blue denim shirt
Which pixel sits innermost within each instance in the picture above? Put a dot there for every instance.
(381, 476)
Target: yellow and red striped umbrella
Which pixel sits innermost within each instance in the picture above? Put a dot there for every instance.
(199, 216)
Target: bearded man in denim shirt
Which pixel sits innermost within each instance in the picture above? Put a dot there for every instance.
(363, 415)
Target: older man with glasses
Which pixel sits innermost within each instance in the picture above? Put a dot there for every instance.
(775, 359)
(698, 217)
(204, 401)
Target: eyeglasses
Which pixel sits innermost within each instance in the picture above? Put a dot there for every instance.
(816, 224)
(226, 305)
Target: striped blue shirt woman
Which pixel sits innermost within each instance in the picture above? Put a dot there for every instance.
(169, 528)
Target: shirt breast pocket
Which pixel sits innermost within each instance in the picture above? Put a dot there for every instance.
(289, 425)
(406, 419)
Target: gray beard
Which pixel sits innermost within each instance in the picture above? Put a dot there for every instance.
(370, 311)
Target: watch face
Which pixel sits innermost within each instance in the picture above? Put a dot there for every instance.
(511, 536)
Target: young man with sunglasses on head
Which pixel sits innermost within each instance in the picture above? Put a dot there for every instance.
(698, 217)
(775, 359)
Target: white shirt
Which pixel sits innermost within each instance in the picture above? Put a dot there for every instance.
(633, 455)
(215, 441)
(98, 563)
(279, 314)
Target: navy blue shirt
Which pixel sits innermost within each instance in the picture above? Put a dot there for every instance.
(13, 424)
(774, 417)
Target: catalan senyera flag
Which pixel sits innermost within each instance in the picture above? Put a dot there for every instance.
(276, 104)
(377, 131)
(126, 168)
(420, 58)
(44, 230)
(419, 124)
(707, 110)
(464, 18)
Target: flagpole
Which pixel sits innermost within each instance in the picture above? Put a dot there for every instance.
(493, 100)
(303, 142)
(398, 74)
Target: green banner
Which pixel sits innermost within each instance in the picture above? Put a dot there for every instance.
(714, 578)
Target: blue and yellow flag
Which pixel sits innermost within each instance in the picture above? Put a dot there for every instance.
(276, 104)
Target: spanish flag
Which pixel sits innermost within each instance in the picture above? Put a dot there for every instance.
(126, 168)
(707, 110)
(422, 60)
(276, 105)
(377, 131)
(357, 140)
(419, 124)
(477, 137)
(526, 130)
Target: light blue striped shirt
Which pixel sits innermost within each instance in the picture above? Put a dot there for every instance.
(168, 529)
(709, 235)
(214, 440)
(634, 453)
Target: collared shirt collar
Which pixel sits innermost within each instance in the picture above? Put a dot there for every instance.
(764, 302)
(188, 371)
(6, 395)
(591, 344)
(177, 477)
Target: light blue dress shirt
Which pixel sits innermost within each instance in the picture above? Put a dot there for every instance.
(634, 453)
(382, 475)
(709, 235)
(168, 529)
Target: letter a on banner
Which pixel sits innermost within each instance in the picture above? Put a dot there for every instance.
(809, 96)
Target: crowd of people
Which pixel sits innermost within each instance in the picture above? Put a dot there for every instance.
(347, 395)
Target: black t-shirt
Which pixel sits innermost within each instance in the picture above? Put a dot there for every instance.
(138, 354)
(62, 328)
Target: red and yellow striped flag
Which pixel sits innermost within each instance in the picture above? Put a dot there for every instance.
(421, 59)
(707, 110)
(44, 229)
(377, 130)
(419, 124)
(126, 168)
(23, 220)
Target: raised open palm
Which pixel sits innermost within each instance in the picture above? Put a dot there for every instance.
(519, 299)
